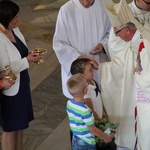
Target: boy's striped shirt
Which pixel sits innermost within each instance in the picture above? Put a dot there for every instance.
(80, 117)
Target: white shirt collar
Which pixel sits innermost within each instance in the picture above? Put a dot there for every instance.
(135, 9)
(137, 33)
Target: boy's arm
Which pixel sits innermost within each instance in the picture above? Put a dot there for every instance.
(106, 138)
(105, 113)
(89, 103)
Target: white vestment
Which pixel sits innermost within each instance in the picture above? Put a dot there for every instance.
(123, 100)
(78, 31)
(118, 92)
(116, 44)
(143, 108)
(118, 95)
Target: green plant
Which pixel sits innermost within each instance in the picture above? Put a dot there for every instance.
(106, 127)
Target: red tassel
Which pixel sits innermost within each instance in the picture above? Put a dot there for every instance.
(141, 46)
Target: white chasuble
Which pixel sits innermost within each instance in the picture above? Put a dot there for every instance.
(116, 44)
(143, 81)
(118, 95)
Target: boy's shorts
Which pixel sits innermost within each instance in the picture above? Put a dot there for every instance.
(78, 144)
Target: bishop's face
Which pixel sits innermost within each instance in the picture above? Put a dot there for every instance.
(143, 4)
(86, 3)
(123, 33)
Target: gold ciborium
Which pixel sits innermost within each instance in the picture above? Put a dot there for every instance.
(8, 74)
(41, 52)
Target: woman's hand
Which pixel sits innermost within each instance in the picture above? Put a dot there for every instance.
(7, 84)
(33, 57)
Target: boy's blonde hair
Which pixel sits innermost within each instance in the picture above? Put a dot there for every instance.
(76, 84)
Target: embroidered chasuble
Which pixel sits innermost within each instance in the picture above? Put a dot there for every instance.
(118, 95)
(142, 80)
(140, 97)
(117, 81)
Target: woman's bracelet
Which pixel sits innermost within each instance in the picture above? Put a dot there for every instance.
(1, 84)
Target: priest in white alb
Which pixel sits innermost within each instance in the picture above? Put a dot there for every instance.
(82, 29)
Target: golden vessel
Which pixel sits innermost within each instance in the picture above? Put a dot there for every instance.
(41, 52)
(8, 74)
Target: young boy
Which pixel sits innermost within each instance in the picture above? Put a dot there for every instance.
(93, 96)
(81, 117)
